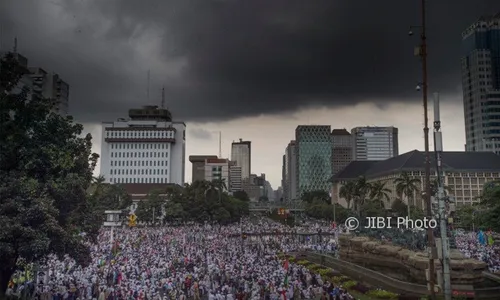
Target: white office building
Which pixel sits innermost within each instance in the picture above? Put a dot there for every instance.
(147, 148)
(241, 154)
(375, 143)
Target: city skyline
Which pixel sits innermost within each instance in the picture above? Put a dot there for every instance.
(254, 89)
(267, 152)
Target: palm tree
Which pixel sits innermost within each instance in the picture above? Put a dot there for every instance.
(362, 190)
(347, 192)
(96, 184)
(220, 184)
(407, 186)
(380, 192)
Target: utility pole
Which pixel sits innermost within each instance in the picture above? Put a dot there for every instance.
(422, 52)
(438, 149)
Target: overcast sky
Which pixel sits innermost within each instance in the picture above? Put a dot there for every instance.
(253, 69)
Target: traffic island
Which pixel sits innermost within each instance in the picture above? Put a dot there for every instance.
(399, 262)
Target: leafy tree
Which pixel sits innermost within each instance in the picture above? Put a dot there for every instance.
(320, 210)
(312, 196)
(45, 170)
(241, 195)
(407, 186)
(488, 212)
(465, 217)
(373, 208)
(399, 208)
(151, 207)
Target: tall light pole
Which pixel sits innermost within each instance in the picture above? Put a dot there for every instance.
(422, 52)
(438, 150)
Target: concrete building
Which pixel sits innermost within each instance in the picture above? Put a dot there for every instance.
(314, 158)
(50, 85)
(465, 174)
(290, 172)
(241, 154)
(375, 143)
(147, 148)
(235, 182)
(198, 166)
(254, 186)
(43, 84)
(481, 84)
(217, 169)
(343, 152)
(278, 194)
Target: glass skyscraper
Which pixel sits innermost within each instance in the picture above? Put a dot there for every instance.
(481, 84)
(314, 155)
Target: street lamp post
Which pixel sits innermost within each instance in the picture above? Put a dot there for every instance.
(422, 52)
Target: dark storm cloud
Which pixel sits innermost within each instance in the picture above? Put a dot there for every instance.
(249, 57)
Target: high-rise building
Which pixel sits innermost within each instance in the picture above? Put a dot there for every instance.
(50, 85)
(235, 182)
(241, 154)
(290, 175)
(283, 175)
(375, 143)
(198, 164)
(342, 153)
(43, 84)
(147, 148)
(481, 84)
(217, 169)
(314, 157)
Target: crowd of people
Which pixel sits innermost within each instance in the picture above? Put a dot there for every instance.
(480, 246)
(187, 262)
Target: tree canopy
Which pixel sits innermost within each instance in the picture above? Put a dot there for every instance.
(484, 215)
(46, 168)
(199, 201)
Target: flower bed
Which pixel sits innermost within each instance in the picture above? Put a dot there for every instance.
(357, 289)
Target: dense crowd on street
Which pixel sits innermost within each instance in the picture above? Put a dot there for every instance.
(187, 262)
(480, 246)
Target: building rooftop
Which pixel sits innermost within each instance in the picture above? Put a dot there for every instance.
(200, 158)
(415, 160)
(340, 132)
(354, 170)
(150, 112)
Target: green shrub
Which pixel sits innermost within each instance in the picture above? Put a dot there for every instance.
(340, 279)
(349, 284)
(292, 259)
(382, 294)
(325, 272)
(303, 262)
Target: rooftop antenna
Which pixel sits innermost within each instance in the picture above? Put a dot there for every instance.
(220, 144)
(163, 97)
(15, 45)
(1, 37)
(149, 75)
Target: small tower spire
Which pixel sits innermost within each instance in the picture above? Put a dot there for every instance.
(163, 97)
(15, 45)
